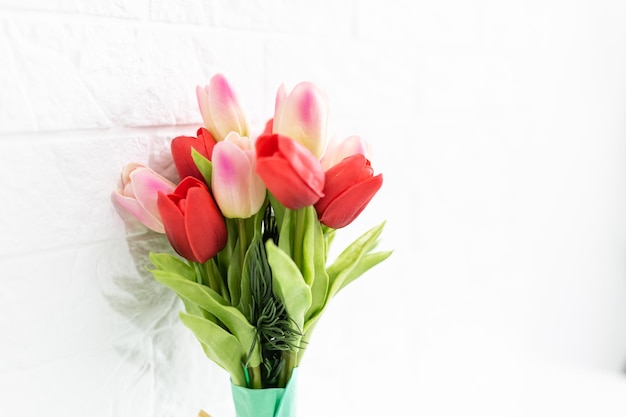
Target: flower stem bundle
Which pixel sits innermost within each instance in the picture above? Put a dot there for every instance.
(252, 221)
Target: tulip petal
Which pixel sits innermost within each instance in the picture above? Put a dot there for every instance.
(133, 207)
(238, 190)
(181, 152)
(290, 171)
(193, 223)
(305, 165)
(242, 142)
(127, 170)
(302, 116)
(174, 223)
(346, 207)
(338, 178)
(146, 185)
(225, 112)
(207, 142)
(337, 151)
(269, 126)
(203, 103)
(273, 171)
(204, 226)
(138, 195)
(281, 97)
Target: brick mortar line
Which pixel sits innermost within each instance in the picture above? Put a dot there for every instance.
(68, 17)
(74, 134)
(8, 255)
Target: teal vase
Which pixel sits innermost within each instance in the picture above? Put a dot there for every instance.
(267, 402)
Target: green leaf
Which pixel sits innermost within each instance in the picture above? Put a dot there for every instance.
(234, 275)
(278, 209)
(285, 232)
(250, 261)
(365, 263)
(215, 304)
(288, 283)
(167, 262)
(307, 331)
(308, 218)
(314, 262)
(224, 256)
(194, 310)
(204, 166)
(245, 298)
(220, 346)
(348, 259)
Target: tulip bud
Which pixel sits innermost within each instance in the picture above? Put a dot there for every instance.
(220, 109)
(349, 187)
(302, 115)
(181, 152)
(290, 171)
(193, 223)
(237, 188)
(139, 192)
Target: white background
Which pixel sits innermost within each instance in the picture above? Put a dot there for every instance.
(500, 128)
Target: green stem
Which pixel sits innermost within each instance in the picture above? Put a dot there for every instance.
(199, 272)
(255, 380)
(291, 360)
(243, 241)
(215, 282)
(298, 238)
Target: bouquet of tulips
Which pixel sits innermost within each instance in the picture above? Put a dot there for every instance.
(252, 220)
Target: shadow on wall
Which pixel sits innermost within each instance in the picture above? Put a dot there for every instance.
(150, 347)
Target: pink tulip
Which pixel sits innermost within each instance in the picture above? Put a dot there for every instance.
(302, 115)
(220, 109)
(339, 150)
(139, 193)
(237, 188)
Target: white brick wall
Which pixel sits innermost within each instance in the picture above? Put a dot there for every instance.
(499, 127)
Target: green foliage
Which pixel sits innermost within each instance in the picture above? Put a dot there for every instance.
(204, 166)
(348, 260)
(207, 299)
(255, 305)
(289, 284)
(167, 262)
(276, 331)
(314, 265)
(219, 345)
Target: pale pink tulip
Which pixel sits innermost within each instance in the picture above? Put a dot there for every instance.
(303, 116)
(237, 188)
(220, 109)
(339, 150)
(139, 192)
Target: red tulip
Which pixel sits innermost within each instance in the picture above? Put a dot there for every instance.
(269, 127)
(290, 171)
(350, 185)
(181, 152)
(193, 223)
